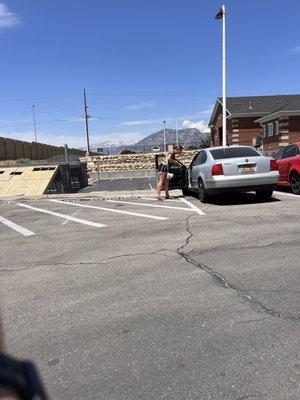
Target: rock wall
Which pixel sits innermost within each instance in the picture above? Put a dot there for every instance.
(132, 162)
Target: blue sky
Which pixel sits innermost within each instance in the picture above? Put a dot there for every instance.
(140, 61)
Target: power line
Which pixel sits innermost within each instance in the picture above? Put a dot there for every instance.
(110, 94)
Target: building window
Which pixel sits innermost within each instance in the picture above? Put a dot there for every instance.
(264, 130)
(270, 129)
(276, 127)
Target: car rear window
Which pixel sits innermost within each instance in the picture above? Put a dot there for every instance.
(232, 152)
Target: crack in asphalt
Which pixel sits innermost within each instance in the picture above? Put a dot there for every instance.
(190, 234)
(103, 261)
(216, 276)
(259, 246)
(221, 280)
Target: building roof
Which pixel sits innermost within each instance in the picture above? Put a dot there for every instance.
(259, 106)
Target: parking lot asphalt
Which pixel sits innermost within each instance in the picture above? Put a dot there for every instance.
(120, 184)
(142, 299)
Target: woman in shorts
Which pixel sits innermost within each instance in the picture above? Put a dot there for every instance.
(163, 170)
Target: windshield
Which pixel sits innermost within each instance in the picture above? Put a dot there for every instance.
(232, 152)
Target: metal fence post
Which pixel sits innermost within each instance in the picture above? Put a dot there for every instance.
(98, 174)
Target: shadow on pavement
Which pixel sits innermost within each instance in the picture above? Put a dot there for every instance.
(285, 189)
(234, 198)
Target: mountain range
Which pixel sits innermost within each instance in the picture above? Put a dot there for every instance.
(186, 137)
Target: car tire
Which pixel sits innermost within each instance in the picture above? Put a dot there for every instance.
(295, 182)
(185, 192)
(202, 192)
(264, 195)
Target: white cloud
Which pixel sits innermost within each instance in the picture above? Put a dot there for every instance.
(8, 19)
(140, 106)
(53, 139)
(118, 137)
(75, 141)
(295, 50)
(158, 121)
(203, 113)
(198, 125)
(142, 122)
(208, 111)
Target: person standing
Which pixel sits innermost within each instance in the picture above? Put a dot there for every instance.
(163, 170)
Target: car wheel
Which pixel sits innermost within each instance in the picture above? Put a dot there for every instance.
(203, 196)
(295, 183)
(264, 195)
(185, 191)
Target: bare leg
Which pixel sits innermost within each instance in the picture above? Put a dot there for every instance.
(166, 186)
(160, 184)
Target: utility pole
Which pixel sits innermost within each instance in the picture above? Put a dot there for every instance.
(34, 123)
(177, 138)
(222, 15)
(165, 144)
(86, 120)
(224, 78)
(98, 174)
(66, 154)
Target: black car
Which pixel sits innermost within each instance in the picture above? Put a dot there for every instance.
(180, 176)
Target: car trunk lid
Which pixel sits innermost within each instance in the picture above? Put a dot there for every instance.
(244, 165)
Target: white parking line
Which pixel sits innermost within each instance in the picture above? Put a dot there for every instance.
(73, 215)
(80, 221)
(109, 210)
(287, 194)
(16, 227)
(152, 199)
(148, 205)
(198, 210)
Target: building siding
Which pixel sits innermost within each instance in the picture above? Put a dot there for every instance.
(294, 129)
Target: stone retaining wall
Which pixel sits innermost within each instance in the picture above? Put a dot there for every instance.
(131, 162)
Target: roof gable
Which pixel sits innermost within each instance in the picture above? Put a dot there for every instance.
(258, 105)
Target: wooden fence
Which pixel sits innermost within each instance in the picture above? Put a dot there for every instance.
(12, 149)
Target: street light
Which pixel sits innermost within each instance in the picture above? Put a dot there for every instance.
(34, 123)
(221, 15)
(165, 146)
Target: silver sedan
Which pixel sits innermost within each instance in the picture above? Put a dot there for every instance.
(235, 168)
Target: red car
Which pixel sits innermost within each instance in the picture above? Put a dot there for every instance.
(288, 160)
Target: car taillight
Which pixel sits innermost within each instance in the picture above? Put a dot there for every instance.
(217, 169)
(273, 165)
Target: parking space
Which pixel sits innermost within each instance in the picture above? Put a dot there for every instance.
(94, 216)
(119, 184)
(92, 211)
(141, 295)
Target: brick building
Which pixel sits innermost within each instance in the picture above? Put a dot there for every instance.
(267, 122)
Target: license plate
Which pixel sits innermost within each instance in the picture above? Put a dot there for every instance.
(247, 169)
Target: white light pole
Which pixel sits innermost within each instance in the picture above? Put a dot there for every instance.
(177, 138)
(165, 144)
(222, 15)
(34, 123)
